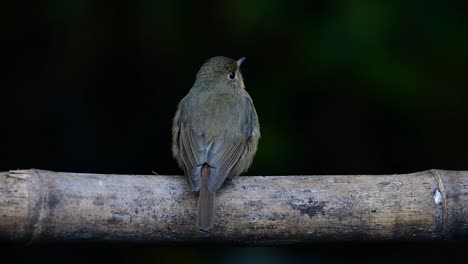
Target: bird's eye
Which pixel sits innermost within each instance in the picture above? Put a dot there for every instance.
(232, 76)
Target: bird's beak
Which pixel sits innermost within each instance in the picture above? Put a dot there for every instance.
(239, 61)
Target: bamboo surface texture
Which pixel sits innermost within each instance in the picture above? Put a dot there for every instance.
(42, 206)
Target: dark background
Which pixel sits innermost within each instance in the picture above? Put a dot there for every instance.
(340, 87)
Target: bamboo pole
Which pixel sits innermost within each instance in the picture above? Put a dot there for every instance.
(42, 206)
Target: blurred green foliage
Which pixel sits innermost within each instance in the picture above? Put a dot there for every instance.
(340, 86)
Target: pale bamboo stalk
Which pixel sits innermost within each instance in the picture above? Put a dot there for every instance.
(42, 206)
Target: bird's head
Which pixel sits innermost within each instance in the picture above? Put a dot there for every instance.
(222, 70)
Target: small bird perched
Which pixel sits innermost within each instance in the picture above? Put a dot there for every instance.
(215, 132)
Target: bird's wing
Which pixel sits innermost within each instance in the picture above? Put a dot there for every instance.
(228, 158)
(193, 151)
(252, 133)
(223, 155)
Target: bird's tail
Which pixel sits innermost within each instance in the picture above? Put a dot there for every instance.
(206, 202)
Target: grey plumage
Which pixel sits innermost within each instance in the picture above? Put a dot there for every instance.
(215, 126)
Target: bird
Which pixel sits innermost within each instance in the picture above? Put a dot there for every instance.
(215, 132)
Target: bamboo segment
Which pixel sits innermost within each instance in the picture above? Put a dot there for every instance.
(42, 206)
